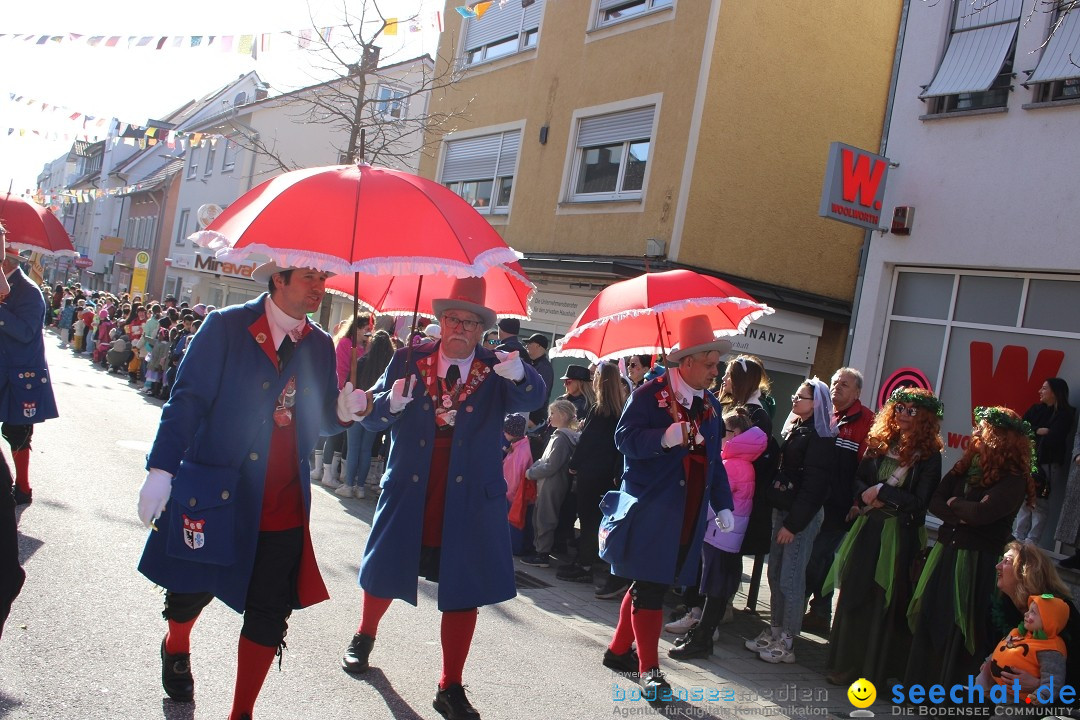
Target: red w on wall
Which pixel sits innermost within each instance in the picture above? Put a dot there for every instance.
(854, 186)
(1009, 383)
(861, 174)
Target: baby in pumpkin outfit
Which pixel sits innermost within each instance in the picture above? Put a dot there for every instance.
(1034, 646)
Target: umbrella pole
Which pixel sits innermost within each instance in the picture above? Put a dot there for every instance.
(412, 326)
(355, 327)
(660, 336)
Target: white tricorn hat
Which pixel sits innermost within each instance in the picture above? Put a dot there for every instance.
(696, 335)
(468, 294)
(264, 272)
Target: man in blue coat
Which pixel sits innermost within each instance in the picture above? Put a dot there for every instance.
(11, 573)
(442, 513)
(653, 526)
(26, 394)
(254, 390)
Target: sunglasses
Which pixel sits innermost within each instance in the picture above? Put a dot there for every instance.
(901, 409)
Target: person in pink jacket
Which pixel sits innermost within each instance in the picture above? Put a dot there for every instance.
(517, 460)
(721, 562)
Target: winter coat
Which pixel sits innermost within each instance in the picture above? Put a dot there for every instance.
(217, 427)
(808, 461)
(555, 462)
(476, 566)
(739, 454)
(596, 455)
(26, 393)
(643, 519)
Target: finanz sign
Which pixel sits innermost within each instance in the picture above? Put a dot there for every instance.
(854, 186)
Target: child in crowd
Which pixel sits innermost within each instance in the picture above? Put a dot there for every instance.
(520, 491)
(1033, 647)
(721, 562)
(551, 473)
(67, 317)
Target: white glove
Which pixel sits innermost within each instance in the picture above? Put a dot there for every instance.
(510, 366)
(725, 520)
(398, 396)
(676, 434)
(154, 495)
(351, 404)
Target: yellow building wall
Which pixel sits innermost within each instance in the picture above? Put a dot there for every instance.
(786, 80)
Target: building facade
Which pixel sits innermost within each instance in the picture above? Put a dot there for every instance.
(608, 138)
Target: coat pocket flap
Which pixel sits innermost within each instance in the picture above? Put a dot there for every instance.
(202, 514)
(616, 505)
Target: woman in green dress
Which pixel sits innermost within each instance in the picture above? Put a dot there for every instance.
(893, 485)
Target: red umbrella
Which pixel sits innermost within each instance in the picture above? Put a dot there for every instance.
(33, 227)
(508, 291)
(358, 218)
(641, 315)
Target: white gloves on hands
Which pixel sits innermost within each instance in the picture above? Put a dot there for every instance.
(676, 434)
(351, 404)
(154, 495)
(725, 520)
(509, 366)
(399, 397)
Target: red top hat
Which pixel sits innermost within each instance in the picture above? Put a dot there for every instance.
(696, 335)
(466, 294)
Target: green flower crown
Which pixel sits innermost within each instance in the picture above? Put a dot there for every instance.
(928, 402)
(1000, 419)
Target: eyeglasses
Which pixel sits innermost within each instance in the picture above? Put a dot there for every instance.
(797, 398)
(900, 409)
(492, 341)
(455, 322)
(632, 365)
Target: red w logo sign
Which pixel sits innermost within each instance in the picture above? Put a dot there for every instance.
(1009, 383)
(854, 186)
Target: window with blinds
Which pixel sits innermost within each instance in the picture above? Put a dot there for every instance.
(610, 12)
(612, 155)
(1057, 76)
(481, 170)
(502, 30)
(977, 69)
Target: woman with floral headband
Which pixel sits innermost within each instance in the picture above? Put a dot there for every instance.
(900, 471)
(976, 501)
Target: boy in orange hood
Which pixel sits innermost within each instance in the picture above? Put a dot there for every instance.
(1034, 646)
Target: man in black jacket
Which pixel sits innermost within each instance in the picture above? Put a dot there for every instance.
(508, 337)
(537, 347)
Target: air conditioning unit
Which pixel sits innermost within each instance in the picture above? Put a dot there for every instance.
(902, 220)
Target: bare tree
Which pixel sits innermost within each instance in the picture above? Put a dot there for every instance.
(352, 56)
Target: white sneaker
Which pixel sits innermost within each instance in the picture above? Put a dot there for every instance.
(359, 493)
(344, 490)
(761, 642)
(329, 481)
(684, 624)
(778, 652)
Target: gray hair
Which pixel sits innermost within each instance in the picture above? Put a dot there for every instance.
(853, 373)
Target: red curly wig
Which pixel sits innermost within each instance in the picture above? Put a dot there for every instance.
(921, 441)
(1001, 451)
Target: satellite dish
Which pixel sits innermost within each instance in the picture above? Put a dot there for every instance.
(206, 214)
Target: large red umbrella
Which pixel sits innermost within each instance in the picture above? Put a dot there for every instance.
(508, 291)
(33, 227)
(641, 315)
(358, 218)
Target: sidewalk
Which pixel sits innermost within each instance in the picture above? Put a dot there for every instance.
(731, 683)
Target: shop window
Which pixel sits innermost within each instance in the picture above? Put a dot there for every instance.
(916, 345)
(505, 29)
(977, 69)
(988, 300)
(924, 295)
(1046, 301)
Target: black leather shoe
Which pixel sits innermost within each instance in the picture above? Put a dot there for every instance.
(625, 663)
(355, 660)
(176, 675)
(695, 645)
(1072, 563)
(654, 688)
(452, 704)
(22, 498)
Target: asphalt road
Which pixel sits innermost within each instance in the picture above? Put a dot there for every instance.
(82, 640)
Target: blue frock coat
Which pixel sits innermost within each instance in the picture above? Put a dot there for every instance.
(476, 566)
(218, 422)
(653, 490)
(26, 394)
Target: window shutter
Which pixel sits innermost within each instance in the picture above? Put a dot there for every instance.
(471, 159)
(978, 46)
(501, 22)
(1059, 59)
(616, 127)
(511, 141)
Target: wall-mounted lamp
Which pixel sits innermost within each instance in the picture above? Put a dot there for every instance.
(543, 135)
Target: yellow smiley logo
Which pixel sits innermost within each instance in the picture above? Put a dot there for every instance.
(862, 693)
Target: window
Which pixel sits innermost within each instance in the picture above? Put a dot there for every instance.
(503, 30)
(181, 227)
(612, 154)
(209, 157)
(481, 170)
(391, 103)
(614, 11)
(1057, 76)
(977, 69)
(193, 162)
(228, 156)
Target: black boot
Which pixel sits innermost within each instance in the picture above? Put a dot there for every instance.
(452, 704)
(176, 675)
(697, 644)
(356, 657)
